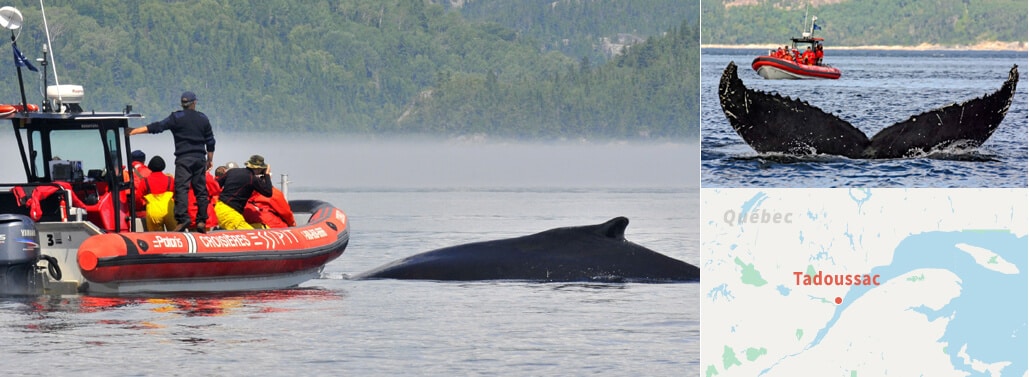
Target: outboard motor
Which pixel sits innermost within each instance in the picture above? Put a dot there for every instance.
(19, 254)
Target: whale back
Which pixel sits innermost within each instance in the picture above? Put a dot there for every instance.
(584, 253)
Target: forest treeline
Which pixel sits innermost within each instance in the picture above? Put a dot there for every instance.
(869, 22)
(379, 66)
(579, 28)
(649, 91)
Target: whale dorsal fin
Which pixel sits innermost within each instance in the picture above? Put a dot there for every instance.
(614, 228)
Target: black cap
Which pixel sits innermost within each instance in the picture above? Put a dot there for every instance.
(188, 97)
(137, 155)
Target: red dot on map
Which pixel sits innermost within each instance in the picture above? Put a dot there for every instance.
(839, 300)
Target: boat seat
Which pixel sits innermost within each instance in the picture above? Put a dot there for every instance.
(9, 204)
(40, 203)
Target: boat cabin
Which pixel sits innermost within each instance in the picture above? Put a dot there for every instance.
(74, 166)
(805, 42)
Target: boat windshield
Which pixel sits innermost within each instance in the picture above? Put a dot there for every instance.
(74, 155)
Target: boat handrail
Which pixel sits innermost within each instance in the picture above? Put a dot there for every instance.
(33, 184)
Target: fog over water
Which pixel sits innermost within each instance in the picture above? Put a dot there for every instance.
(341, 162)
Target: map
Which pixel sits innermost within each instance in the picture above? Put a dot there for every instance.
(864, 282)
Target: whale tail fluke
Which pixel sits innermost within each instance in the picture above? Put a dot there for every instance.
(772, 123)
(968, 125)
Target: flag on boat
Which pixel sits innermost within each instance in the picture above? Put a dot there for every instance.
(815, 27)
(21, 61)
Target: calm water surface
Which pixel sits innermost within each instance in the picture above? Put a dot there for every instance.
(877, 89)
(341, 327)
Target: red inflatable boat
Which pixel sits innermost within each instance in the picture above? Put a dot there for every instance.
(217, 261)
(773, 68)
(69, 227)
(800, 60)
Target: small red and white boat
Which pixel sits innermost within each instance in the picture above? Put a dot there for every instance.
(791, 63)
(70, 213)
(93, 243)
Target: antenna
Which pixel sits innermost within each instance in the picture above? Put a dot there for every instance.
(53, 54)
(11, 19)
(803, 21)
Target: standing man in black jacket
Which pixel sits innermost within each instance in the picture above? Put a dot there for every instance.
(194, 141)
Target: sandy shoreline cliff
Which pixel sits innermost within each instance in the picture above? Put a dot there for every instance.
(982, 46)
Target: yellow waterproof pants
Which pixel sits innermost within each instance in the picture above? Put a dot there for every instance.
(160, 213)
(228, 218)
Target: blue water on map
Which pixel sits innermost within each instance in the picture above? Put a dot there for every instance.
(877, 89)
(991, 323)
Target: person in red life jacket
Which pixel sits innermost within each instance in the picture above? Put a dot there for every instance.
(157, 193)
(238, 185)
(269, 212)
(137, 166)
(819, 54)
(213, 190)
(194, 152)
(809, 56)
(139, 171)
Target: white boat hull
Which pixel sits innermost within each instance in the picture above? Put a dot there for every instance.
(773, 73)
(247, 283)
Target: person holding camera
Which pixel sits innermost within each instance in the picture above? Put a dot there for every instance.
(238, 185)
